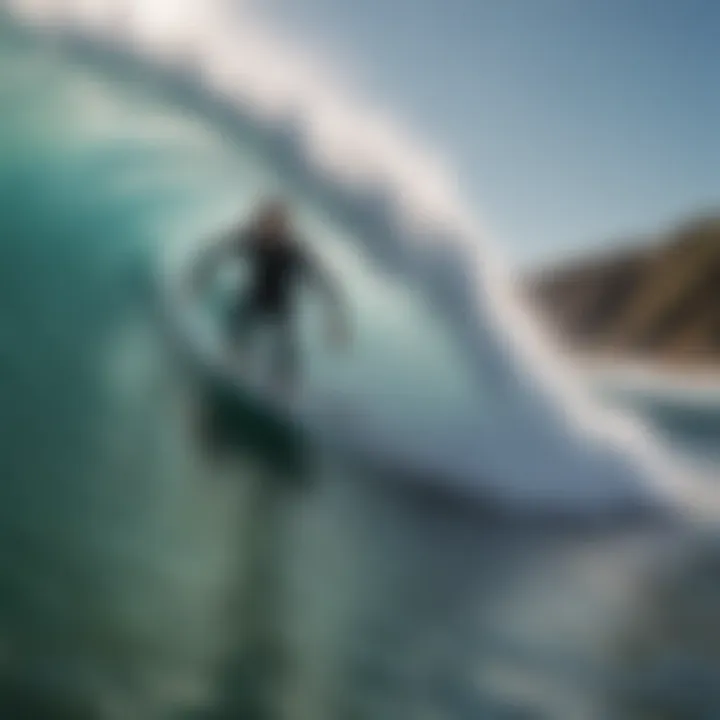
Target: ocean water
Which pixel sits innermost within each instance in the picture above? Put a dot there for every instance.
(153, 569)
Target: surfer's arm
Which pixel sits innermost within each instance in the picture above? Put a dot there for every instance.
(232, 243)
(322, 279)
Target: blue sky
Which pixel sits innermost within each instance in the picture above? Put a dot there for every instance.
(572, 124)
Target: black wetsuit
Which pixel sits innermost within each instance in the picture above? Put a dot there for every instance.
(277, 267)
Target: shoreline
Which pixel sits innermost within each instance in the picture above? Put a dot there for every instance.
(699, 381)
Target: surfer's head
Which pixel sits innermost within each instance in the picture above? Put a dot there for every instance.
(272, 219)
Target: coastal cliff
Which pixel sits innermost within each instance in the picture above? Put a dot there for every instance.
(658, 302)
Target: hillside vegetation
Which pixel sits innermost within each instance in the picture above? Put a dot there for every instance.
(659, 301)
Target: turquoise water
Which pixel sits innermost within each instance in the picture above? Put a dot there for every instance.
(143, 576)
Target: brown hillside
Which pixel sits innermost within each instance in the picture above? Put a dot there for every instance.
(659, 303)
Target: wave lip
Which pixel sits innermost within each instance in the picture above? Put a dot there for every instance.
(550, 444)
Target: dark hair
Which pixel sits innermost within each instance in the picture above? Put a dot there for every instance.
(271, 211)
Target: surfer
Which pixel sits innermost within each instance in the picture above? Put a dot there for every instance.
(278, 262)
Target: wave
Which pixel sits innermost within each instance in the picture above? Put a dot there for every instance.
(548, 443)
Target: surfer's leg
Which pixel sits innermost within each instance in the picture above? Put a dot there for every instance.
(244, 318)
(286, 361)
